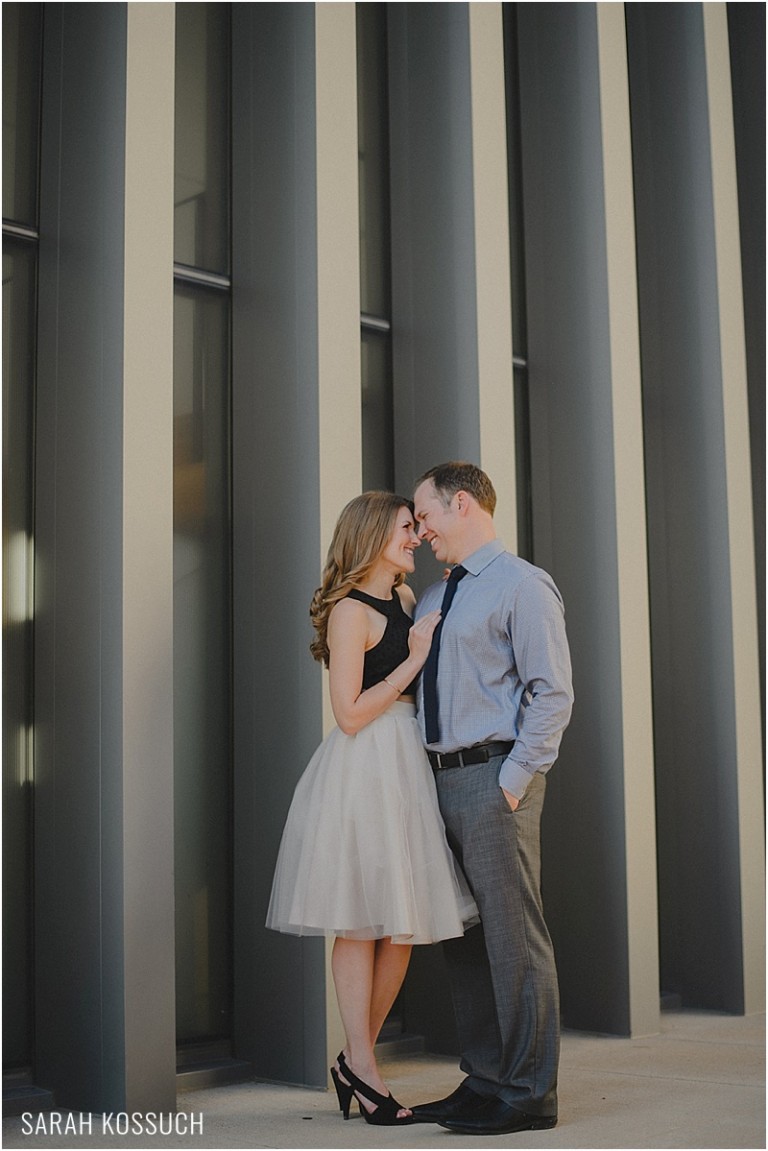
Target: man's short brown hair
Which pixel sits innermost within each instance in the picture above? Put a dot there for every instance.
(459, 476)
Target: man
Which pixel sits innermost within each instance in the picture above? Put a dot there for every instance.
(492, 713)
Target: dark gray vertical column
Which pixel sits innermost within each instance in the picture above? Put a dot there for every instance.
(434, 310)
(707, 742)
(103, 786)
(441, 150)
(586, 447)
(279, 981)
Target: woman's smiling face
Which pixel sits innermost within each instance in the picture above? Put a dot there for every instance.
(402, 543)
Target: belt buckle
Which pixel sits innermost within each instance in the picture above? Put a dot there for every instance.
(448, 760)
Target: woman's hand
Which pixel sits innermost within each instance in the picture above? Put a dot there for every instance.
(420, 636)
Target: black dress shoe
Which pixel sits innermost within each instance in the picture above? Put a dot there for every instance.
(496, 1117)
(463, 1101)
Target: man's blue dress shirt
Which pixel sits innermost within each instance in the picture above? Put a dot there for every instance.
(504, 670)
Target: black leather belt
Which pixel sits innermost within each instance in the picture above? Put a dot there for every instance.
(466, 756)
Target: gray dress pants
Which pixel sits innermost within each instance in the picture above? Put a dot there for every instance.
(503, 977)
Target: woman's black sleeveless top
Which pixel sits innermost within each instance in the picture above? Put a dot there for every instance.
(392, 648)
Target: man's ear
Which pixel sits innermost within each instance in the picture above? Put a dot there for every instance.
(462, 502)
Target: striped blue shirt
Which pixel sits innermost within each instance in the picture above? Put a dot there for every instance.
(504, 671)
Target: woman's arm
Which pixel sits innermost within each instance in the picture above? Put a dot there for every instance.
(348, 637)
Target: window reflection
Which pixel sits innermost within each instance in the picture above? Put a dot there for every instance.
(373, 158)
(202, 136)
(202, 606)
(202, 532)
(517, 266)
(22, 25)
(19, 287)
(378, 430)
(375, 278)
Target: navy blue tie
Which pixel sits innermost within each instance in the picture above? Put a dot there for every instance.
(430, 667)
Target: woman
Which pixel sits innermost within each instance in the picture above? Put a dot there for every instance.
(364, 855)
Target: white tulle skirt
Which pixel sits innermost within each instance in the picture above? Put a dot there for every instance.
(364, 853)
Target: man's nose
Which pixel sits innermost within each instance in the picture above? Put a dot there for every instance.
(421, 531)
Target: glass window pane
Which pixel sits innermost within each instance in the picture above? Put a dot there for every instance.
(19, 262)
(21, 110)
(523, 466)
(202, 628)
(378, 430)
(515, 181)
(202, 136)
(373, 151)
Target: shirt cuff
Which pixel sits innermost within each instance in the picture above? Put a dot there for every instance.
(514, 778)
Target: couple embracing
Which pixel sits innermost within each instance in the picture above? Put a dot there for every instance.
(417, 818)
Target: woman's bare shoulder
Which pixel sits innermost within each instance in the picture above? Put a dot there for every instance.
(407, 597)
(347, 612)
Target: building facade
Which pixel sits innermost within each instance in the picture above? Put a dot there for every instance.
(258, 258)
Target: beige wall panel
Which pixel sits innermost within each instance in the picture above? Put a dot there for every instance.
(338, 260)
(338, 294)
(494, 307)
(634, 621)
(148, 521)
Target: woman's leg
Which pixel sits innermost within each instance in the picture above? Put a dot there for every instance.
(352, 965)
(390, 965)
(367, 978)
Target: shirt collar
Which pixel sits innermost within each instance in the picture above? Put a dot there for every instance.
(485, 555)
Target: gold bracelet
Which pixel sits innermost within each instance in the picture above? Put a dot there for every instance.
(399, 690)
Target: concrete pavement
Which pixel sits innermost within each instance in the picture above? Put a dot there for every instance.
(698, 1084)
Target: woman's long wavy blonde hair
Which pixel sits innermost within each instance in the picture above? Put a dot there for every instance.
(363, 531)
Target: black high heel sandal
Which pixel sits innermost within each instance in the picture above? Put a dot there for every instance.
(386, 1106)
(344, 1091)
